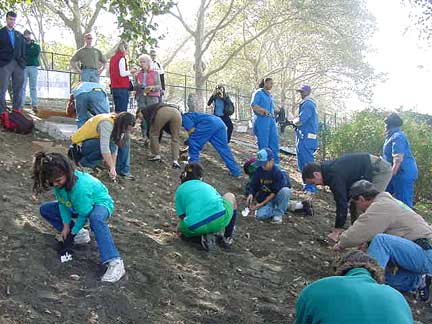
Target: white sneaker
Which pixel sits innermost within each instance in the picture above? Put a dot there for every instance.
(115, 271)
(82, 237)
(277, 220)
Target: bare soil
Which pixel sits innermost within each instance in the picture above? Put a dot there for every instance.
(167, 280)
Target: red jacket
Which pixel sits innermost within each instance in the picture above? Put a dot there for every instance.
(117, 81)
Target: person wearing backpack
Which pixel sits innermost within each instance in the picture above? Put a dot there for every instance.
(223, 107)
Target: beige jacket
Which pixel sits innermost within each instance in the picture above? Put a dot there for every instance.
(385, 215)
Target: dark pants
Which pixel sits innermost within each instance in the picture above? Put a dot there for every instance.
(12, 69)
(121, 99)
(228, 123)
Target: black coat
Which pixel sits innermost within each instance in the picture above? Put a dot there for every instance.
(7, 52)
(340, 175)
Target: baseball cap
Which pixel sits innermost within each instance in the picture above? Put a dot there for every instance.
(360, 187)
(263, 156)
(304, 87)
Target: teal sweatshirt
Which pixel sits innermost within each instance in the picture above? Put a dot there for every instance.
(355, 298)
(85, 194)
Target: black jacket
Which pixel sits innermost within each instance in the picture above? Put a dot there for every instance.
(340, 174)
(7, 52)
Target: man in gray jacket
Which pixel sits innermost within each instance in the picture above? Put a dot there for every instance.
(399, 238)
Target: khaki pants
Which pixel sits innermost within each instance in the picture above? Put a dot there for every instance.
(163, 116)
(381, 172)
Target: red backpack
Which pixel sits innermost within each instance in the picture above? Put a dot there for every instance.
(16, 121)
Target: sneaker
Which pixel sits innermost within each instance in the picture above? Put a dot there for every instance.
(208, 242)
(225, 242)
(82, 237)
(155, 158)
(277, 220)
(308, 208)
(176, 165)
(129, 177)
(424, 292)
(115, 271)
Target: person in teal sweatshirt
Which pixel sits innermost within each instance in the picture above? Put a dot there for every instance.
(79, 198)
(355, 295)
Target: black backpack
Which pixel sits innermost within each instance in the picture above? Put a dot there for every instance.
(228, 107)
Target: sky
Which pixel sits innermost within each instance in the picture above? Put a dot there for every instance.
(398, 53)
(406, 60)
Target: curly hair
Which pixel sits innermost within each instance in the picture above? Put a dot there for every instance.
(50, 166)
(358, 259)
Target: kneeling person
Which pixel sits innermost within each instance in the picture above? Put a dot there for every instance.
(203, 212)
(79, 198)
(270, 187)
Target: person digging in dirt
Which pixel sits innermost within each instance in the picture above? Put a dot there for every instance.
(79, 198)
(252, 165)
(203, 212)
(105, 137)
(355, 295)
(398, 237)
(162, 117)
(340, 175)
(203, 128)
(270, 187)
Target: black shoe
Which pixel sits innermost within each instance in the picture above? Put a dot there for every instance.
(208, 242)
(129, 177)
(424, 292)
(308, 209)
(224, 242)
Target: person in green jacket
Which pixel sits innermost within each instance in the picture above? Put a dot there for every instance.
(355, 295)
(203, 212)
(32, 52)
(79, 198)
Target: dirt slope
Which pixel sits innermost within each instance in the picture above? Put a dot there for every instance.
(168, 280)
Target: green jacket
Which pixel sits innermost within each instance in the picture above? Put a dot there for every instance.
(85, 194)
(355, 298)
(32, 52)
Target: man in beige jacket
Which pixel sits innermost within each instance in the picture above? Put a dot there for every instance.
(398, 236)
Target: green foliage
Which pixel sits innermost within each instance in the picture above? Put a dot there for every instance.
(365, 133)
(6, 5)
(133, 17)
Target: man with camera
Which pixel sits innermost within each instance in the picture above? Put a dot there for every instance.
(222, 107)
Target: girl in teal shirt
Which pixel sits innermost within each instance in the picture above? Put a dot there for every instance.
(79, 197)
(203, 212)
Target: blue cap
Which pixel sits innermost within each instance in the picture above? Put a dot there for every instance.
(305, 88)
(263, 156)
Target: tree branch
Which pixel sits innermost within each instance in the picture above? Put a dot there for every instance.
(93, 18)
(173, 55)
(180, 18)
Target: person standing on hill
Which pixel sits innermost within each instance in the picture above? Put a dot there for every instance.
(221, 104)
(157, 66)
(397, 151)
(306, 128)
(31, 70)
(264, 125)
(88, 61)
(12, 63)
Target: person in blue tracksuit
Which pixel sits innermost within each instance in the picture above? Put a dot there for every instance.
(397, 151)
(306, 125)
(203, 128)
(264, 125)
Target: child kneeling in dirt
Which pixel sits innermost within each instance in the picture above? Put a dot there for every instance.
(80, 197)
(271, 188)
(203, 211)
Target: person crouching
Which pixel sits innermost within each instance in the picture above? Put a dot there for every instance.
(203, 212)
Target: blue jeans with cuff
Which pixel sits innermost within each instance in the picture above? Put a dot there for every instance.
(275, 207)
(98, 224)
(92, 156)
(412, 260)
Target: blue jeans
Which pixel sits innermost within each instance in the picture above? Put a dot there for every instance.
(92, 156)
(31, 74)
(90, 75)
(121, 99)
(97, 217)
(89, 104)
(411, 259)
(305, 149)
(277, 206)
